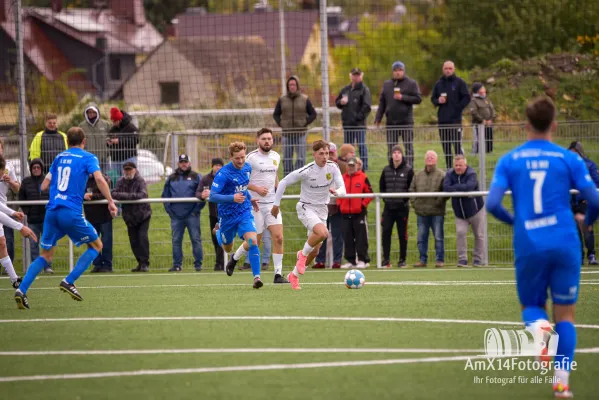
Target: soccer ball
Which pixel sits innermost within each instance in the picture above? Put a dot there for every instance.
(354, 279)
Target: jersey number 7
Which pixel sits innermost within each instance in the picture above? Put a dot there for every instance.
(537, 191)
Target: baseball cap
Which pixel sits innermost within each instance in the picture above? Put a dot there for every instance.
(352, 161)
(129, 165)
(356, 71)
(332, 147)
(183, 157)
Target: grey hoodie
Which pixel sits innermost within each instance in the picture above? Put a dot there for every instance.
(96, 133)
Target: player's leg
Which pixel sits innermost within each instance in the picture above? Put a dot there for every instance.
(68, 283)
(247, 231)
(243, 249)
(319, 233)
(225, 235)
(276, 237)
(6, 262)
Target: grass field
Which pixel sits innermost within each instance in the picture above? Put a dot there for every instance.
(406, 334)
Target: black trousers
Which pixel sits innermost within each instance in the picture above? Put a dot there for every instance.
(220, 253)
(355, 237)
(391, 217)
(450, 136)
(488, 139)
(140, 243)
(407, 135)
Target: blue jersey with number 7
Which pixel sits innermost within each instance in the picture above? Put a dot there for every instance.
(70, 171)
(540, 175)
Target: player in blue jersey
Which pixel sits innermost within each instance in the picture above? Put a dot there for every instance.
(67, 181)
(540, 175)
(230, 191)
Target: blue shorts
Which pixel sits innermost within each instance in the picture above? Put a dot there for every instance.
(64, 221)
(226, 232)
(557, 270)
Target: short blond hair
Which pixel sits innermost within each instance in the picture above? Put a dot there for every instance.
(236, 147)
(460, 157)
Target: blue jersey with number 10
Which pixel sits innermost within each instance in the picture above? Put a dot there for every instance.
(70, 171)
(540, 175)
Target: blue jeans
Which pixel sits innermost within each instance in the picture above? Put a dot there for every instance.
(334, 223)
(192, 223)
(424, 225)
(291, 141)
(266, 247)
(358, 136)
(9, 235)
(104, 259)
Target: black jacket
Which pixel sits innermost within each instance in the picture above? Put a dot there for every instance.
(98, 213)
(396, 180)
(359, 105)
(207, 181)
(463, 207)
(31, 190)
(398, 112)
(458, 98)
(133, 189)
(128, 137)
(182, 184)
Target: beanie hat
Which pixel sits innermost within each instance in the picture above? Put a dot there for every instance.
(476, 86)
(115, 114)
(217, 161)
(398, 64)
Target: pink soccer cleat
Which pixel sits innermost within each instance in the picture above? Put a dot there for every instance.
(301, 262)
(294, 280)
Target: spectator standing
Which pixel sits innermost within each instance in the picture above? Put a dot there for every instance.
(334, 221)
(31, 190)
(451, 97)
(398, 97)
(579, 206)
(430, 211)
(483, 113)
(184, 183)
(132, 186)
(355, 219)
(122, 141)
(346, 152)
(49, 143)
(203, 193)
(96, 131)
(99, 216)
(355, 102)
(396, 177)
(293, 113)
(469, 211)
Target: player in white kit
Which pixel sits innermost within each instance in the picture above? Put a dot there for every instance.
(263, 183)
(319, 180)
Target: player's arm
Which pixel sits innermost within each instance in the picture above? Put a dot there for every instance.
(46, 182)
(290, 179)
(498, 187)
(105, 190)
(216, 192)
(339, 184)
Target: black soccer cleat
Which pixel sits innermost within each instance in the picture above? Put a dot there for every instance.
(258, 283)
(21, 299)
(231, 266)
(280, 279)
(17, 283)
(71, 290)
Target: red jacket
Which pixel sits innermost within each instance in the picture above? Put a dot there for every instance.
(356, 183)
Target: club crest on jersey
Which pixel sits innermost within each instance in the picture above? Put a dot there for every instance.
(329, 176)
(275, 163)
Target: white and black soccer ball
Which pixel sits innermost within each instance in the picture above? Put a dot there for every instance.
(354, 279)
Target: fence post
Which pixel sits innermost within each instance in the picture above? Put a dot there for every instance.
(174, 150)
(324, 71)
(482, 181)
(377, 229)
(71, 256)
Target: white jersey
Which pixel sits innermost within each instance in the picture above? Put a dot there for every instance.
(264, 173)
(316, 182)
(9, 170)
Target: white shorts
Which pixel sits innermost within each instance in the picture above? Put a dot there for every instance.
(1, 230)
(311, 215)
(264, 218)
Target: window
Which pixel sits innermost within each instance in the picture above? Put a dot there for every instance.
(169, 93)
(115, 69)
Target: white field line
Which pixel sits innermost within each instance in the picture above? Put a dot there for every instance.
(237, 350)
(275, 318)
(268, 367)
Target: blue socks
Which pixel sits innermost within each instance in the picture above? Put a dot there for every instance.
(34, 269)
(532, 314)
(82, 264)
(565, 345)
(254, 256)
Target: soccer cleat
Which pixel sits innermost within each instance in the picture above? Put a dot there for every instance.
(280, 279)
(21, 299)
(17, 283)
(301, 262)
(319, 265)
(258, 283)
(294, 280)
(71, 290)
(231, 266)
(561, 391)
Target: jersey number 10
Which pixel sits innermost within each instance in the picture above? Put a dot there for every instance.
(537, 191)
(63, 178)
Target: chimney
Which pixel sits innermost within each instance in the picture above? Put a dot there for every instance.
(132, 10)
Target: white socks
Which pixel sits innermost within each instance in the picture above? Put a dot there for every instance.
(294, 272)
(277, 259)
(10, 270)
(307, 249)
(241, 252)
